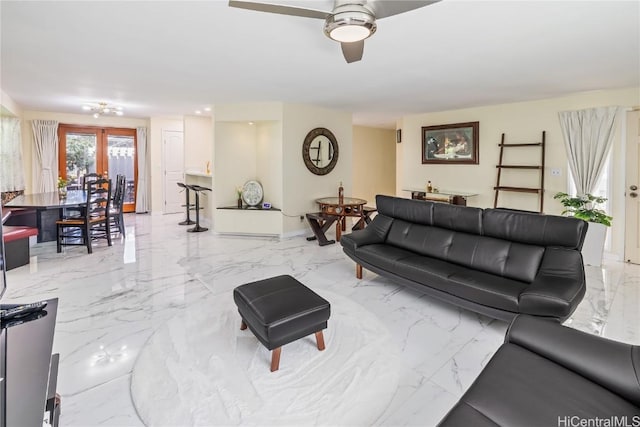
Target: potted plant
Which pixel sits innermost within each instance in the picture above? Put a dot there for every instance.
(587, 208)
(62, 187)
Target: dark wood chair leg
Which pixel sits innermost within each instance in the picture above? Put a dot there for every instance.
(358, 271)
(87, 237)
(319, 229)
(121, 223)
(243, 326)
(320, 340)
(275, 359)
(108, 228)
(60, 231)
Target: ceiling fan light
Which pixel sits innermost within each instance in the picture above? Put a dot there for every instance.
(350, 33)
(96, 115)
(350, 26)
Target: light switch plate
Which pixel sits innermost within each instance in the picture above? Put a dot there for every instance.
(556, 172)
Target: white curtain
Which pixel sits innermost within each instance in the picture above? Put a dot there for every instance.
(11, 168)
(142, 191)
(588, 135)
(45, 159)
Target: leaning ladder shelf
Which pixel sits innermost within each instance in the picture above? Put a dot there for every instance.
(500, 166)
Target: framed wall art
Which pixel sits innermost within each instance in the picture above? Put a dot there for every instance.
(451, 144)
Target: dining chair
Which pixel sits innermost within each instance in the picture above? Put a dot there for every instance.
(93, 224)
(82, 180)
(88, 177)
(116, 211)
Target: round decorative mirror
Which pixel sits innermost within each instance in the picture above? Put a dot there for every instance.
(320, 151)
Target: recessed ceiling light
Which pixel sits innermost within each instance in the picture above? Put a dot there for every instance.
(250, 123)
(198, 112)
(207, 109)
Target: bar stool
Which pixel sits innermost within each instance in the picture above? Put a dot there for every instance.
(197, 189)
(188, 205)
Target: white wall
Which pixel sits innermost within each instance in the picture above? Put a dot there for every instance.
(300, 186)
(521, 122)
(269, 160)
(156, 126)
(8, 106)
(374, 162)
(198, 143)
(235, 160)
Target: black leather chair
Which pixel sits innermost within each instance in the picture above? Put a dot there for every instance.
(546, 374)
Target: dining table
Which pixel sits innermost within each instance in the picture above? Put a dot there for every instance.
(336, 210)
(42, 210)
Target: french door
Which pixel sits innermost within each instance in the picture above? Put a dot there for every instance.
(107, 151)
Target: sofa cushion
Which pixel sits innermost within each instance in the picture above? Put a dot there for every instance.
(463, 282)
(483, 288)
(500, 257)
(421, 239)
(458, 218)
(406, 209)
(381, 255)
(534, 229)
(519, 387)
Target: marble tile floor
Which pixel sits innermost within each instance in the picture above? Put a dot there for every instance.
(112, 301)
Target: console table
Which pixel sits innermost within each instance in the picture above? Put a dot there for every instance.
(28, 371)
(444, 196)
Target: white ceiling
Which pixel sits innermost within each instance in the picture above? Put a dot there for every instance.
(158, 58)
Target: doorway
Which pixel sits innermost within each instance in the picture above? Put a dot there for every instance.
(106, 151)
(173, 162)
(632, 189)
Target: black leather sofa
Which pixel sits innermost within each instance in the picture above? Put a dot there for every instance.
(494, 261)
(546, 374)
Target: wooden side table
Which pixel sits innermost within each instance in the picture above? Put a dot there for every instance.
(342, 208)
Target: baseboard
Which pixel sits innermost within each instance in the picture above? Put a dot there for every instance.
(295, 233)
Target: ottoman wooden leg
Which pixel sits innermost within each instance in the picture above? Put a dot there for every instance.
(320, 340)
(358, 271)
(243, 326)
(275, 359)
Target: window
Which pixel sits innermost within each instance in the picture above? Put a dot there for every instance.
(603, 189)
(107, 151)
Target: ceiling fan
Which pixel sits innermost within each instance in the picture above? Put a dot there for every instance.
(350, 22)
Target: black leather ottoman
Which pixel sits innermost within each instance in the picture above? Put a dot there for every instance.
(281, 310)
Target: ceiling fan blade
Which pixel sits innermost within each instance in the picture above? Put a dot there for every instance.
(352, 51)
(280, 9)
(383, 8)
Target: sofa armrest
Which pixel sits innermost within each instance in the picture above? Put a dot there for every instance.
(375, 232)
(611, 364)
(558, 287)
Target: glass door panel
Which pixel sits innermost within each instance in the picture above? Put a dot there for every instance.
(80, 157)
(121, 157)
